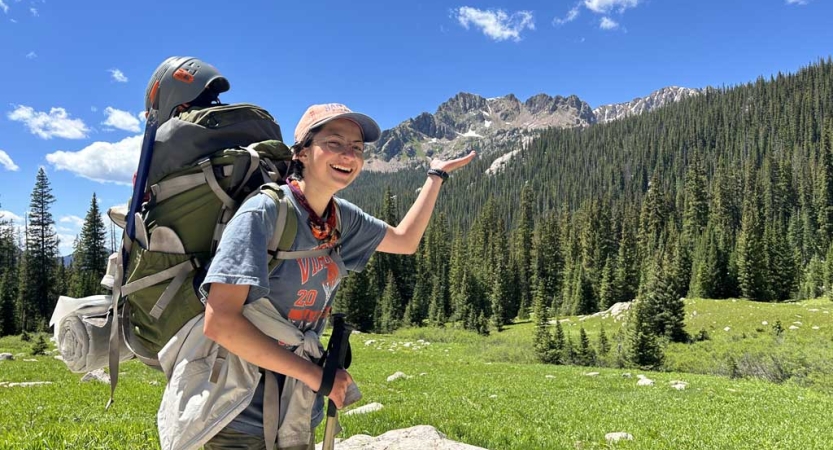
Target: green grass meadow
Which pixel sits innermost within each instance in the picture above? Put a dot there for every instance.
(748, 387)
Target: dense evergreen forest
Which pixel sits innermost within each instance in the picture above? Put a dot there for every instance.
(727, 194)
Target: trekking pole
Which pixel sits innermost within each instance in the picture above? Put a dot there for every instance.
(336, 355)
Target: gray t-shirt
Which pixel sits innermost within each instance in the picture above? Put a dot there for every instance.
(301, 290)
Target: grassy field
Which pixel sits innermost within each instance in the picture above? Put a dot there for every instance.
(490, 392)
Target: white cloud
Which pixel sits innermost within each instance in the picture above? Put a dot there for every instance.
(105, 162)
(608, 24)
(6, 161)
(31, 55)
(75, 220)
(8, 215)
(48, 125)
(571, 16)
(34, 12)
(142, 117)
(118, 75)
(4, 7)
(123, 120)
(605, 6)
(93, 109)
(496, 24)
(797, 2)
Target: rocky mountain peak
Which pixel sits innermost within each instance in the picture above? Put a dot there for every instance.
(498, 124)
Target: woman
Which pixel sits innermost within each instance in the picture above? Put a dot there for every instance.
(327, 157)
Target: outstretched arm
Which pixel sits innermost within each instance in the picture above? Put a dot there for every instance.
(405, 237)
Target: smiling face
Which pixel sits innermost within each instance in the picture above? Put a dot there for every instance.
(333, 159)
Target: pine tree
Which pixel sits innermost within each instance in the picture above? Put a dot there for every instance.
(523, 254)
(90, 257)
(628, 266)
(438, 308)
(390, 318)
(752, 267)
(357, 299)
(604, 345)
(586, 356)
(663, 311)
(823, 191)
(38, 296)
(644, 349)
(543, 342)
(8, 295)
(559, 344)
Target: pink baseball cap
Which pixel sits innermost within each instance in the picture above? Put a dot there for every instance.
(317, 115)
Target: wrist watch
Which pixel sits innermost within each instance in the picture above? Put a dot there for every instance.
(440, 173)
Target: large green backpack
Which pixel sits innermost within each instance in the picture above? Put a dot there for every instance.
(206, 162)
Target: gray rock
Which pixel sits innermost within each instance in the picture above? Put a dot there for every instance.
(618, 436)
(417, 437)
(96, 375)
(5, 356)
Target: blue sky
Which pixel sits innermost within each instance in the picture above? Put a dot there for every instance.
(74, 73)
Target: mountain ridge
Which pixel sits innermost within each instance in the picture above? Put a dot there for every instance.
(498, 124)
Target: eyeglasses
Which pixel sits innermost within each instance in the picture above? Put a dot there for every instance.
(338, 145)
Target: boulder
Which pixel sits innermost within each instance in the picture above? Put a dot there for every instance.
(417, 437)
(618, 436)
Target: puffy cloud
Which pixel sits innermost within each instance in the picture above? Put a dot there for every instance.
(4, 7)
(31, 55)
(496, 24)
(34, 12)
(123, 120)
(789, 2)
(118, 75)
(605, 6)
(105, 162)
(6, 161)
(48, 125)
(75, 220)
(608, 24)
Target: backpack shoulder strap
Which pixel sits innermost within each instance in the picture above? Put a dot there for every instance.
(286, 228)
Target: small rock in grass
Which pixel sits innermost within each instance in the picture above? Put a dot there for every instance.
(815, 327)
(397, 376)
(591, 374)
(679, 385)
(550, 376)
(28, 384)
(30, 360)
(369, 408)
(797, 323)
(727, 329)
(153, 382)
(493, 396)
(422, 374)
(813, 310)
(96, 375)
(407, 344)
(370, 342)
(618, 436)
(764, 323)
(645, 381)
(626, 375)
(793, 327)
(5, 356)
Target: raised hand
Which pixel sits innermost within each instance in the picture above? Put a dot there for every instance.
(453, 164)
